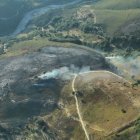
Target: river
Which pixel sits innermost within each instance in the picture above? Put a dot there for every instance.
(38, 12)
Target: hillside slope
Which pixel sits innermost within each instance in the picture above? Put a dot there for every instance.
(31, 87)
(118, 14)
(118, 4)
(54, 85)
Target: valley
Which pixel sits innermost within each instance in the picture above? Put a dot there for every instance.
(69, 70)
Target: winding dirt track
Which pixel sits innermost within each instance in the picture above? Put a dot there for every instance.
(76, 100)
(78, 110)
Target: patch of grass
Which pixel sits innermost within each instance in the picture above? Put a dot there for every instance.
(114, 19)
(28, 46)
(107, 107)
(118, 4)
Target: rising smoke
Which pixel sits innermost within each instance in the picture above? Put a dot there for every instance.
(129, 65)
(64, 73)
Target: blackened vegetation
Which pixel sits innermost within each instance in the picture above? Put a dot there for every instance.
(36, 127)
(26, 96)
(137, 83)
(80, 94)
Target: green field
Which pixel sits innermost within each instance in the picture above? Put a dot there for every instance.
(116, 19)
(115, 14)
(118, 4)
(28, 46)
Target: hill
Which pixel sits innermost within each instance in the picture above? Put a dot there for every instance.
(108, 105)
(118, 14)
(54, 81)
(32, 83)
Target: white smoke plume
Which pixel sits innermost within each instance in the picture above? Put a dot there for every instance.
(64, 73)
(129, 65)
